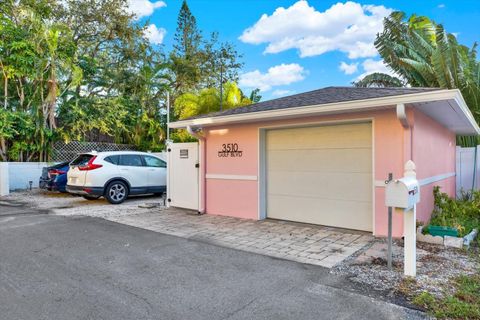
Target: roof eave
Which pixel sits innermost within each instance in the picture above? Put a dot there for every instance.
(333, 108)
(466, 111)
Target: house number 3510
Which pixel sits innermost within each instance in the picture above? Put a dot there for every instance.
(228, 147)
(230, 150)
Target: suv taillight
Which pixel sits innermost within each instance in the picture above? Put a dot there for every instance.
(56, 171)
(90, 165)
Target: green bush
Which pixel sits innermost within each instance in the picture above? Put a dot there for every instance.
(462, 214)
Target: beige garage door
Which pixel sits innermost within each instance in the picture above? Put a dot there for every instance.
(321, 175)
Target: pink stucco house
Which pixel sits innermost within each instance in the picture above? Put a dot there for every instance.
(322, 157)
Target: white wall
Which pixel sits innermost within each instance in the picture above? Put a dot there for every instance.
(4, 179)
(162, 155)
(20, 173)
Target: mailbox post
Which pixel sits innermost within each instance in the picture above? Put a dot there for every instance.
(404, 194)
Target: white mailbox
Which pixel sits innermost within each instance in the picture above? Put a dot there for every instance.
(402, 193)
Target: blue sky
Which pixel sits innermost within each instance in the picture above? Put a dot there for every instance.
(303, 46)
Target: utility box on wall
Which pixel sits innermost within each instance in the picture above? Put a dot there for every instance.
(403, 193)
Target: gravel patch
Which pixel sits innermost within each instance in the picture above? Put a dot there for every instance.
(68, 205)
(436, 265)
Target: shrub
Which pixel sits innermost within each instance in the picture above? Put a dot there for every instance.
(462, 214)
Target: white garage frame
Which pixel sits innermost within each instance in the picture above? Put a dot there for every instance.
(262, 167)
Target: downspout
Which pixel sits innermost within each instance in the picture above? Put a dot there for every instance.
(403, 118)
(202, 182)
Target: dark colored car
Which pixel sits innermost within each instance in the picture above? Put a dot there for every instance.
(54, 178)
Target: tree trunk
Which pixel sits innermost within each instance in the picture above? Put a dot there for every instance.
(3, 149)
(30, 157)
(51, 100)
(5, 90)
(5, 85)
(20, 92)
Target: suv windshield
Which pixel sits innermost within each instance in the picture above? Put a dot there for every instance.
(81, 160)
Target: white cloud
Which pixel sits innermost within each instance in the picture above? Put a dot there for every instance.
(144, 8)
(155, 35)
(348, 27)
(348, 68)
(371, 66)
(441, 6)
(283, 74)
(281, 93)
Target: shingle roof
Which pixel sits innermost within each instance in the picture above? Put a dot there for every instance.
(318, 97)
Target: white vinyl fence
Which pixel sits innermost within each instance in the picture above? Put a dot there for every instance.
(162, 155)
(18, 175)
(4, 179)
(21, 173)
(467, 169)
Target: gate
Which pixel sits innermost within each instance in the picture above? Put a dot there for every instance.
(183, 175)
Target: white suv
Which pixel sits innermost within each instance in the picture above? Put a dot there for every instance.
(116, 175)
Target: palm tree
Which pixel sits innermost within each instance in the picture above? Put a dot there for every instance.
(422, 54)
(208, 100)
(192, 104)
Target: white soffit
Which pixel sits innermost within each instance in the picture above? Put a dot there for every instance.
(452, 113)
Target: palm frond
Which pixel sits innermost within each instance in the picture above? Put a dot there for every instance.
(379, 80)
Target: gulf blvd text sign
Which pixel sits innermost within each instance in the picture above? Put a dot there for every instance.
(229, 150)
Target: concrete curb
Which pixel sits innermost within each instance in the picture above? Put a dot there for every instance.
(447, 241)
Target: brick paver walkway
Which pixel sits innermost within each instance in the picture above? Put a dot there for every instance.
(317, 245)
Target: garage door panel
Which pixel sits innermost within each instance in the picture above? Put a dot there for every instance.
(323, 185)
(321, 175)
(342, 214)
(333, 160)
(344, 136)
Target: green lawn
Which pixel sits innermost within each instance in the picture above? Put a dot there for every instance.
(464, 303)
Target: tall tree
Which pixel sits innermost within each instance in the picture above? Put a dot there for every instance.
(221, 63)
(422, 54)
(199, 63)
(188, 38)
(186, 57)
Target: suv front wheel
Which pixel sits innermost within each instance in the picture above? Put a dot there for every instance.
(116, 192)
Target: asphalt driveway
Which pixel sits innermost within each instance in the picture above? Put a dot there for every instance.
(304, 243)
(54, 267)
